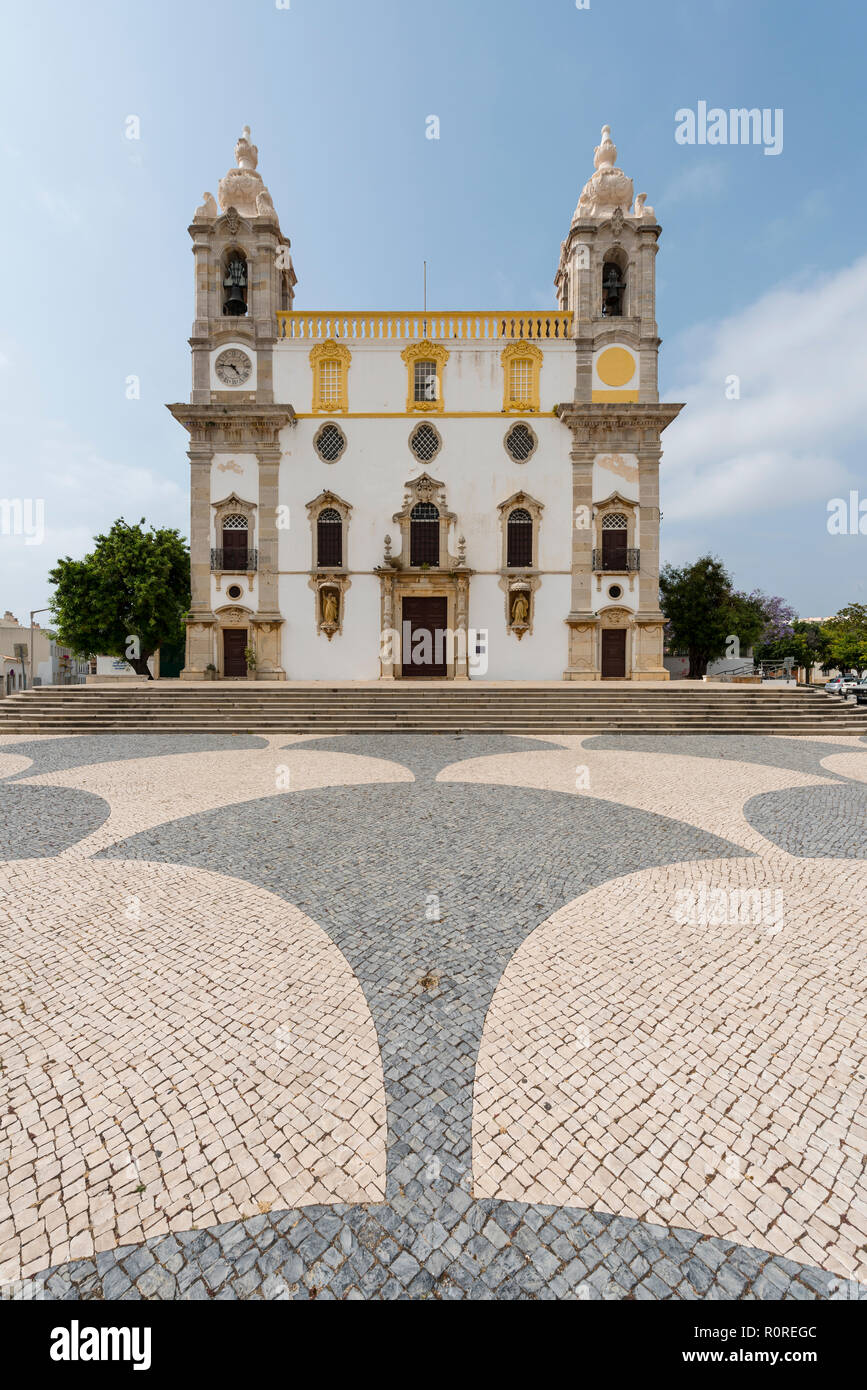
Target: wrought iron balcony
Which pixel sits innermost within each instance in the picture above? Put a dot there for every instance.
(608, 563)
(234, 561)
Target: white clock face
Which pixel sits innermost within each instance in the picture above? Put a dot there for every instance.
(233, 367)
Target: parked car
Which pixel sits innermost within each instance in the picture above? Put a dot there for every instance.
(860, 691)
(848, 683)
(832, 687)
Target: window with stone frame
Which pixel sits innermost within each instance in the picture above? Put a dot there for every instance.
(424, 535)
(425, 443)
(329, 538)
(330, 443)
(235, 542)
(519, 538)
(520, 443)
(615, 539)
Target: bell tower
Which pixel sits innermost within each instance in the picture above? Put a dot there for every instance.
(606, 279)
(243, 278)
(244, 275)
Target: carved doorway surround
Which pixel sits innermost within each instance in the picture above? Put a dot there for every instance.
(615, 643)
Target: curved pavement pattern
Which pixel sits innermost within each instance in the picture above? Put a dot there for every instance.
(434, 1016)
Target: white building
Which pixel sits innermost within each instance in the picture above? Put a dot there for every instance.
(388, 494)
(53, 664)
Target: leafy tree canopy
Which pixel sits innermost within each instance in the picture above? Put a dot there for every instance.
(134, 585)
(704, 612)
(847, 636)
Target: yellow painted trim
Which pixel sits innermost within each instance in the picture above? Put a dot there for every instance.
(331, 351)
(600, 397)
(409, 415)
(615, 366)
(521, 352)
(424, 351)
(466, 325)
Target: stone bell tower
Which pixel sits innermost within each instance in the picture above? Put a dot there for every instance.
(606, 278)
(243, 277)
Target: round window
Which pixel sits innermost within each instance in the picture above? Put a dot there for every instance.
(520, 442)
(329, 443)
(425, 443)
(615, 591)
(234, 591)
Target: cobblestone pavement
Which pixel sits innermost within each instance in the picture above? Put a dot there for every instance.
(440, 1016)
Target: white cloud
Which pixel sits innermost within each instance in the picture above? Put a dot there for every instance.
(801, 359)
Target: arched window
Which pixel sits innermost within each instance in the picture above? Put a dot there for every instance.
(329, 537)
(235, 280)
(235, 540)
(613, 290)
(519, 538)
(424, 534)
(615, 537)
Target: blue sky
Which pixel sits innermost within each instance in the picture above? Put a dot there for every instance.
(762, 270)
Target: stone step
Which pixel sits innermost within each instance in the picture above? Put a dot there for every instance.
(247, 707)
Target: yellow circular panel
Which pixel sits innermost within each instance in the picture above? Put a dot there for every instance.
(615, 366)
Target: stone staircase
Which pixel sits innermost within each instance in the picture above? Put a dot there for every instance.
(166, 707)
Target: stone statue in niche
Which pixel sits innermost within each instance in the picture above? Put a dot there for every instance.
(520, 609)
(329, 608)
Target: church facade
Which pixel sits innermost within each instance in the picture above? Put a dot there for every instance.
(399, 494)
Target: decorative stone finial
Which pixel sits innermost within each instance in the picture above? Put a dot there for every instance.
(242, 187)
(246, 154)
(208, 210)
(606, 153)
(608, 188)
(642, 208)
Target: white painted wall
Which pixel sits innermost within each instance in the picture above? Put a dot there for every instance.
(472, 378)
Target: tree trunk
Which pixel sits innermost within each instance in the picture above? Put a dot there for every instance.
(697, 665)
(140, 665)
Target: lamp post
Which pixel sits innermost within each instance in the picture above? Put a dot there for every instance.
(33, 613)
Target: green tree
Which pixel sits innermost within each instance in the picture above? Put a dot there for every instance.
(703, 612)
(126, 598)
(808, 645)
(847, 633)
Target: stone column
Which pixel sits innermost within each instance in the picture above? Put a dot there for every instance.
(386, 668)
(647, 655)
(582, 621)
(462, 667)
(269, 656)
(201, 620)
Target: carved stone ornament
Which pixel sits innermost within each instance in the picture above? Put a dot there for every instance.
(643, 209)
(616, 617)
(208, 212)
(241, 187)
(234, 615)
(608, 188)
